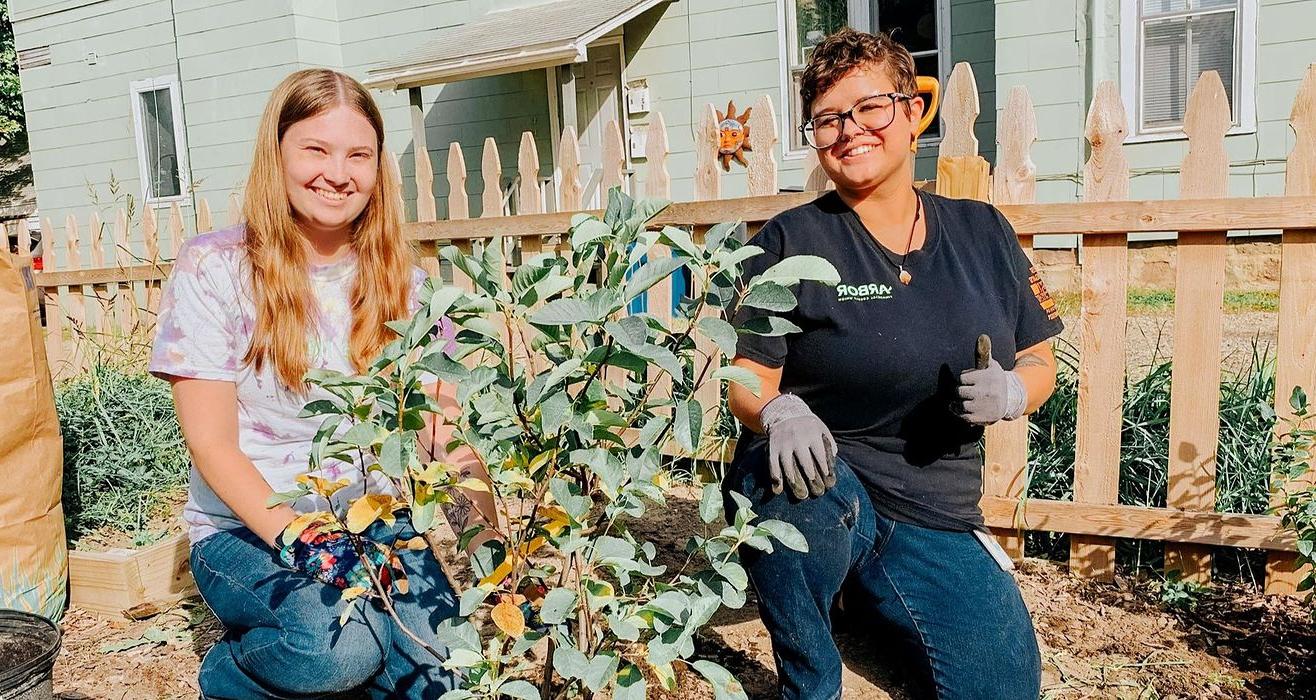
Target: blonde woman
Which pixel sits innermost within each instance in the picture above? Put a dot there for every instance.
(307, 281)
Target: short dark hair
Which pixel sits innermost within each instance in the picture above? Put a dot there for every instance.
(847, 50)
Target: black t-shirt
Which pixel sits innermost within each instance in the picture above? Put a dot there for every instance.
(878, 360)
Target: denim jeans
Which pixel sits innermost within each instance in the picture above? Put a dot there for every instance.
(939, 594)
(283, 639)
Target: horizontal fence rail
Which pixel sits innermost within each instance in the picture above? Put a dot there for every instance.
(108, 285)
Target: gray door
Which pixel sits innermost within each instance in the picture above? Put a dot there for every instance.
(598, 101)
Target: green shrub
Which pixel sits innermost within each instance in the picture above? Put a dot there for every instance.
(124, 456)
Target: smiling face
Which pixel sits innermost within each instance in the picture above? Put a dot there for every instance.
(330, 169)
(861, 161)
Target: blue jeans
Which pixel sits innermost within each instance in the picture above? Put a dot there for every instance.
(283, 639)
(939, 594)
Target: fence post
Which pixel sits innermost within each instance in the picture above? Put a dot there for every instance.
(708, 183)
(1101, 354)
(427, 208)
(1005, 471)
(1198, 320)
(961, 172)
(203, 219)
(53, 298)
(762, 158)
(121, 296)
(459, 206)
(151, 238)
(527, 164)
(614, 161)
(234, 209)
(568, 158)
(491, 168)
(1296, 360)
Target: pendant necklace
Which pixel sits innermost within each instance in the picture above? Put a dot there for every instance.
(905, 277)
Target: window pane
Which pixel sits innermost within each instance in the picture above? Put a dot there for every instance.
(927, 65)
(814, 20)
(1156, 7)
(797, 140)
(161, 148)
(1176, 52)
(913, 23)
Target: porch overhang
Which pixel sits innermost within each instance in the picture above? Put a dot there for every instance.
(508, 41)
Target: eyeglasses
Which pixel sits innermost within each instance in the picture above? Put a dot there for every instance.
(873, 113)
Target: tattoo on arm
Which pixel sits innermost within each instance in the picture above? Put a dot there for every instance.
(458, 511)
(1029, 360)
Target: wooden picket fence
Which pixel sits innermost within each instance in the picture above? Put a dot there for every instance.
(93, 297)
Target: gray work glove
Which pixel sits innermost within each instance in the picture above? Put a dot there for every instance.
(801, 451)
(991, 394)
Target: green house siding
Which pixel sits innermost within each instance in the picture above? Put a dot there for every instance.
(228, 56)
(1051, 48)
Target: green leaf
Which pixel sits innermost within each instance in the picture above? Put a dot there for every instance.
(361, 435)
(472, 599)
(519, 689)
(1298, 400)
(277, 499)
(741, 376)
(770, 296)
(565, 312)
(390, 456)
(589, 231)
(680, 240)
(648, 275)
(720, 332)
(725, 685)
(443, 298)
(319, 407)
(799, 268)
(643, 211)
(630, 684)
(785, 533)
(554, 412)
(710, 503)
(718, 233)
(769, 326)
(567, 496)
(557, 606)
(630, 334)
(689, 424)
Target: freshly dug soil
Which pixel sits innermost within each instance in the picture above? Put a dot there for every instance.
(1098, 640)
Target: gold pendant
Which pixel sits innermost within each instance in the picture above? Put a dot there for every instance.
(905, 277)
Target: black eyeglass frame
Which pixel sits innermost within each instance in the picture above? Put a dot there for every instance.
(806, 128)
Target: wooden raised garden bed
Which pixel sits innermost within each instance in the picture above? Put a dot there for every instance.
(135, 582)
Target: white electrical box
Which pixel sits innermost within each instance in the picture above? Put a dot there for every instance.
(637, 97)
(638, 143)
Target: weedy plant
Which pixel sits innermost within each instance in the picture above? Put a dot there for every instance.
(569, 403)
(1292, 456)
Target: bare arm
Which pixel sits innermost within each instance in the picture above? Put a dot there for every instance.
(469, 507)
(1036, 367)
(208, 413)
(745, 406)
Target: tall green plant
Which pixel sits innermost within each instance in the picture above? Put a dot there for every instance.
(1292, 457)
(559, 400)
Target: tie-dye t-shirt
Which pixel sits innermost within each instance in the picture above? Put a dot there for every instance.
(203, 330)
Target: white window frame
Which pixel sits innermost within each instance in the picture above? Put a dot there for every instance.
(135, 90)
(1245, 71)
(861, 12)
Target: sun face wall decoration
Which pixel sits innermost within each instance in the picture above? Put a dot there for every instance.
(733, 136)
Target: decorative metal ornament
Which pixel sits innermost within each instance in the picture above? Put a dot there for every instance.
(733, 136)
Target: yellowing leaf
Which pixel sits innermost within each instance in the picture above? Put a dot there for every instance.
(509, 619)
(434, 472)
(557, 519)
(367, 509)
(321, 485)
(417, 544)
(473, 485)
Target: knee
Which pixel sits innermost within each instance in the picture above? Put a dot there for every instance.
(327, 661)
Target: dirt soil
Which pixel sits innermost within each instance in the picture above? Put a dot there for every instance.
(1098, 640)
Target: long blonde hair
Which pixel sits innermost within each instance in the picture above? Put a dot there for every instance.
(276, 249)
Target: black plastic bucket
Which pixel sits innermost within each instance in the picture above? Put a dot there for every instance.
(28, 645)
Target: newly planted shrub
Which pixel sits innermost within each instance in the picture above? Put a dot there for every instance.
(1293, 473)
(573, 407)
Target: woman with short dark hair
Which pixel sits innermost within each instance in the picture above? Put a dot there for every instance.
(865, 434)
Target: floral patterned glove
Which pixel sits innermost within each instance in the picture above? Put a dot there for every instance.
(318, 547)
